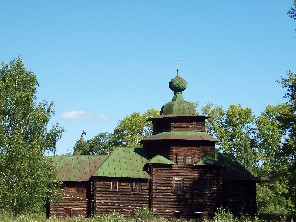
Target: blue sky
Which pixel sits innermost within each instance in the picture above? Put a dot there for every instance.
(102, 60)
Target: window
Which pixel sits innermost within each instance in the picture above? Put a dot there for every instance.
(178, 185)
(136, 187)
(205, 186)
(185, 158)
(114, 185)
(180, 159)
(189, 159)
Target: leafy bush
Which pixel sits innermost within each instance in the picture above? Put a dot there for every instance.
(144, 214)
(223, 215)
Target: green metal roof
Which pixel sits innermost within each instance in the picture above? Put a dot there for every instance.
(178, 106)
(232, 170)
(207, 160)
(160, 160)
(124, 162)
(77, 168)
(181, 135)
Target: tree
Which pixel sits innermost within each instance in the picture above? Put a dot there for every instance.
(27, 177)
(234, 128)
(101, 144)
(292, 11)
(288, 123)
(133, 128)
(128, 133)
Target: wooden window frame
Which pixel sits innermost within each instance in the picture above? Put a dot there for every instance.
(189, 159)
(178, 185)
(206, 186)
(136, 186)
(180, 158)
(114, 185)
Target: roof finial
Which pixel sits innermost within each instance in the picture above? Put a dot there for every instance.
(178, 67)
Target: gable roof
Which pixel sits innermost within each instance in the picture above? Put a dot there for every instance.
(124, 162)
(77, 168)
(232, 170)
(160, 160)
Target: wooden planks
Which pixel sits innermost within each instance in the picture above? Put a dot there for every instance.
(123, 200)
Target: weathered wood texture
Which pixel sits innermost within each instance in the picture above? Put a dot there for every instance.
(197, 153)
(240, 197)
(75, 201)
(169, 149)
(167, 125)
(178, 124)
(200, 191)
(124, 199)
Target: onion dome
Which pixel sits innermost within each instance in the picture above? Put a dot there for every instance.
(178, 106)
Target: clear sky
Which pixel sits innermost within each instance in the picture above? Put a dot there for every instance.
(102, 60)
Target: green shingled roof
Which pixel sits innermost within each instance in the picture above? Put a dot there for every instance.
(232, 170)
(183, 135)
(77, 168)
(178, 106)
(207, 160)
(124, 162)
(160, 160)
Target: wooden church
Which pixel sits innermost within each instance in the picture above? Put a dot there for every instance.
(176, 173)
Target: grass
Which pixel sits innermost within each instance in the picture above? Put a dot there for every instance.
(141, 215)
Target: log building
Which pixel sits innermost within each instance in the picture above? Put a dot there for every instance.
(176, 173)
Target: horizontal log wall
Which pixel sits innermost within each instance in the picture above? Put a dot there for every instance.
(124, 200)
(187, 126)
(169, 149)
(74, 201)
(179, 124)
(192, 199)
(197, 152)
(240, 197)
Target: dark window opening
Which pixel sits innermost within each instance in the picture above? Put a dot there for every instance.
(205, 186)
(180, 159)
(114, 186)
(178, 185)
(136, 187)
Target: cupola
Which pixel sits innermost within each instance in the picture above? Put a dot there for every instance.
(178, 106)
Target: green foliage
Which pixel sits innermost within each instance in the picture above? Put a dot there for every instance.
(144, 214)
(128, 133)
(292, 11)
(288, 122)
(101, 144)
(131, 130)
(27, 178)
(270, 202)
(222, 215)
(265, 145)
(234, 128)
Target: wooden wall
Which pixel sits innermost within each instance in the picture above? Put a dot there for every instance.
(201, 192)
(240, 197)
(169, 149)
(179, 124)
(123, 200)
(74, 202)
